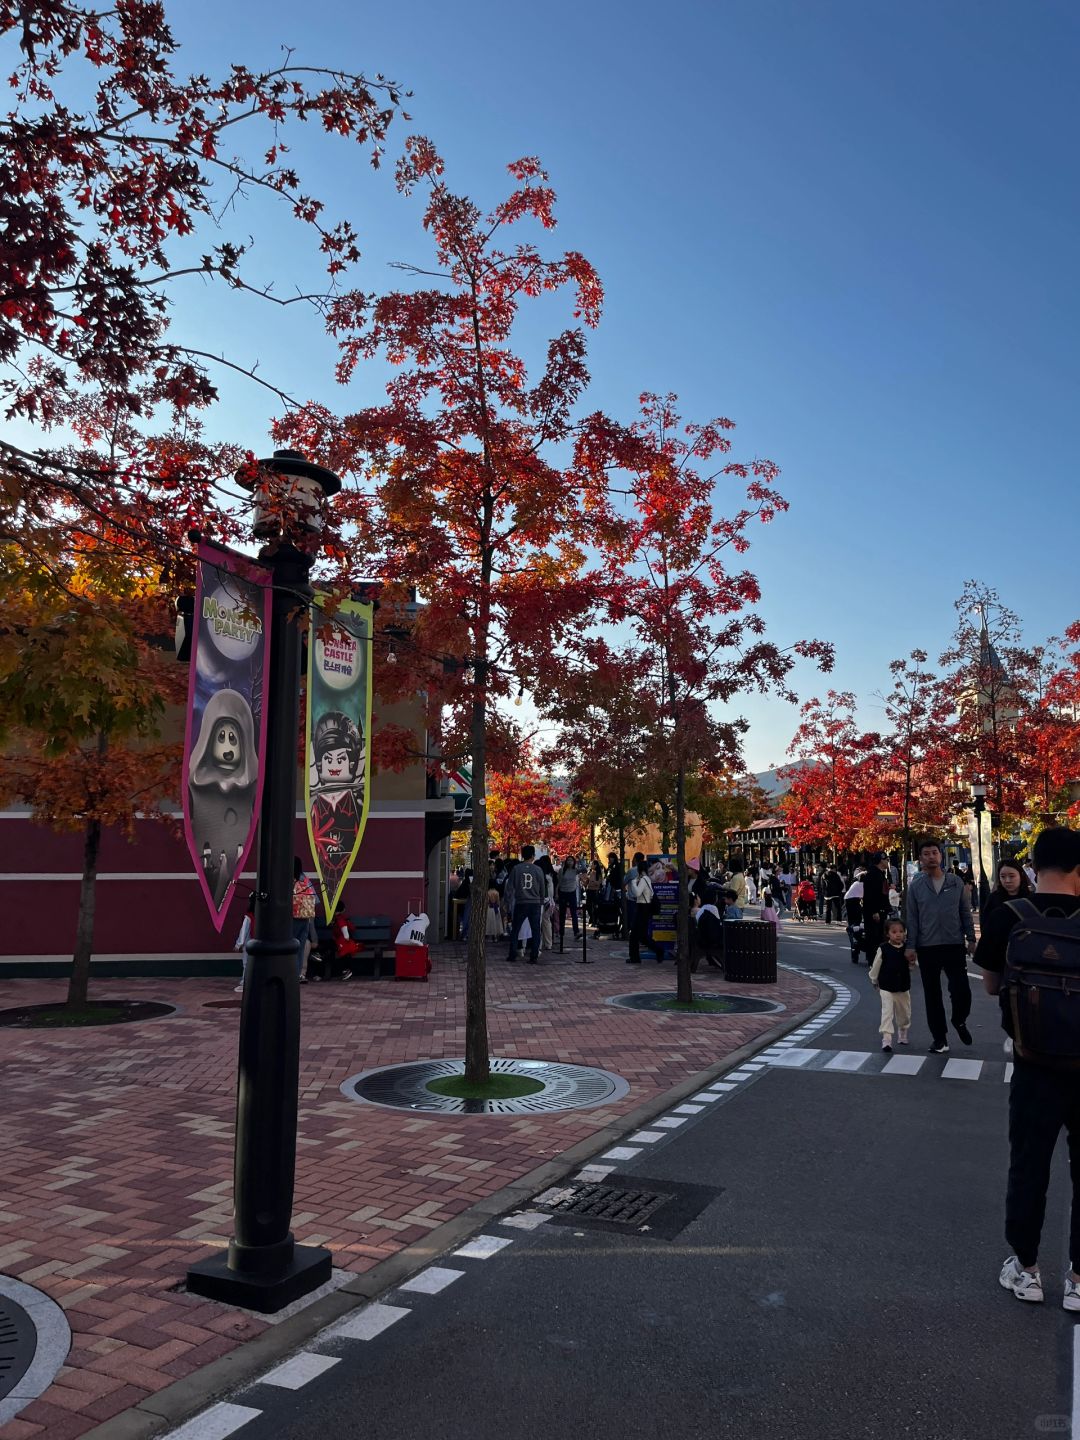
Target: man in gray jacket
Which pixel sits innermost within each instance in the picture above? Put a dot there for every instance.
(527, 884)
(941, 934)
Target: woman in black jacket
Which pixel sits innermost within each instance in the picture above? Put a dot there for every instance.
(1012, 884)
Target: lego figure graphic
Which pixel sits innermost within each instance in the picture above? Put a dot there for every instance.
(337, 805)
(223, 774)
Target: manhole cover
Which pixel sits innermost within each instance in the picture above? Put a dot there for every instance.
(18, 1342)
(605, 1202)
(661, 1209)
(662, 1001)
(566, 1087)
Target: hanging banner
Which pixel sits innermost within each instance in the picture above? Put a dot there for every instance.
(225, 736)
(338, 754)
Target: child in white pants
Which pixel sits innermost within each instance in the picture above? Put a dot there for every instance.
(891, 974)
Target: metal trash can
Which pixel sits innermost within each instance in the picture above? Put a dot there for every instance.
(750, 952)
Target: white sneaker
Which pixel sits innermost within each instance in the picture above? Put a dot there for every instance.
(886, 1042)
(1071, 1300)
(238, 989)
(1023, 1284)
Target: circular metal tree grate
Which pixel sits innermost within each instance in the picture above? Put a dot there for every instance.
(660, 1001)
(18, 1342)
(566, 1087)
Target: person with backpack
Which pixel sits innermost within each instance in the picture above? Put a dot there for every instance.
(1029, 951)
(941, 934)
(527, 886)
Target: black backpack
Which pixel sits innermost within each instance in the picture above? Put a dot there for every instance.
(1042, 985)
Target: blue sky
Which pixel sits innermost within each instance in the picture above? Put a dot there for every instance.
(851, 226)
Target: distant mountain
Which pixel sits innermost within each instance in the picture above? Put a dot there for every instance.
(770, 781)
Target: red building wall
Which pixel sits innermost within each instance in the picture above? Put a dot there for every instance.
(148, 898)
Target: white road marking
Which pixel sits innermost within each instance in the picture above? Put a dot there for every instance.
(722, 1085)
(529, 1219)
(669, 1122)
(962, 1070)
(645, 1137)
(216, 1423)
(622, 1152)
(904, 1065)
(739, 1074)
(753, 1065)
(299, 1370)
(590, 1173)
(849, 1060)
(482, 1247)
(432, 1280)
(687, 1110)
(795, 1058)
(708, 1096)
(372, 1320)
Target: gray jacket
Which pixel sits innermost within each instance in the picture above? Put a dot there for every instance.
(528, 884)
(938, 918)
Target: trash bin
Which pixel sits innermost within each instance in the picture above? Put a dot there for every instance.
(750, 952)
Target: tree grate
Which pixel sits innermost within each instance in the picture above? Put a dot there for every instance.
(603, 1202)
(18, 1342)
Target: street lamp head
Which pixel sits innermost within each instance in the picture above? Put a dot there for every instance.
(289, 493)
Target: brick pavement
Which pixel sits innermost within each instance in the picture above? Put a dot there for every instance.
(117, 1144)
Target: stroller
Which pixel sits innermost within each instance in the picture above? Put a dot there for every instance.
(607, 918)
(806, 900)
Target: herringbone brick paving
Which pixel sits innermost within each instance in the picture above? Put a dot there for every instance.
(117, 1144)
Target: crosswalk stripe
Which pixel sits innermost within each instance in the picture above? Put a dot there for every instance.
(904, 1065)
(962, 1070)
(848, 1060)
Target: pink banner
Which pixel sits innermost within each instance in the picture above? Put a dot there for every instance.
(225, 738)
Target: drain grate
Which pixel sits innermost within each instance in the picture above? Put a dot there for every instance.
(18, 1342)
(604, 1202)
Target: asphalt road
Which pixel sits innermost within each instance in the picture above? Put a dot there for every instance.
(840, 1282)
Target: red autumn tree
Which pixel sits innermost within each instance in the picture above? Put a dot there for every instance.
(918, 774)
(468, 483)
(526, 806)
(692, 612)
(836, 791)
(112, 164)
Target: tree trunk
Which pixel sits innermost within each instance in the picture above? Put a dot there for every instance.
(476, 1028)
(685, 983)
(79, 983)
(622, 863)
(665, 827)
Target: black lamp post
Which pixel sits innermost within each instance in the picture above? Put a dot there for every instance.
(264, 1268)
(978, 804)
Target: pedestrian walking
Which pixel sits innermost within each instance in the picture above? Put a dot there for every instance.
(876, 904)
(527, 886)
(853, 909)
(1029, 951)
(769, 912)
(891, 976)
(303, 912)
(642, 889)
(1012, 884)
(547, 910)
(834, 894)
(594, 884)
(569, 885)
(941, 933)
(736, 881)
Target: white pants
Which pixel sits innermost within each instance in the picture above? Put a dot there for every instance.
(895, 1011)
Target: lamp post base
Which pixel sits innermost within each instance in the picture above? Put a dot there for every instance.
(309, 1267)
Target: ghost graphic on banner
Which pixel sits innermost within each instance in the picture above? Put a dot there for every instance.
(223, 774)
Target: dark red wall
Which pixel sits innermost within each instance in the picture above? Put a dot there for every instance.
(147, 915)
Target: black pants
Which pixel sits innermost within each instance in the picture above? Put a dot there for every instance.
(568, 900)
(834, 906)
(1041, 1103)
(952, 959)
(873, 935)
(639, 934)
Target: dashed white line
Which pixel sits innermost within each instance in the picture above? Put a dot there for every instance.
(527, 1219)
(792, 1059)
(669, 1122)
(298, 1370)
(848, 1060)
(216, 1423)
(687, 1110)
(904, 1065)
(590, 1173)
(372, 1320)
(482, 1247)
(623, 1152)
(432, 1280)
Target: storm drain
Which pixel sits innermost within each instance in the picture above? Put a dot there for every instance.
(659, 1210)
(603, 1202)
(18, 1342)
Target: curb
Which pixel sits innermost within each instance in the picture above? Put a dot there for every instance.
(185, 1398)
